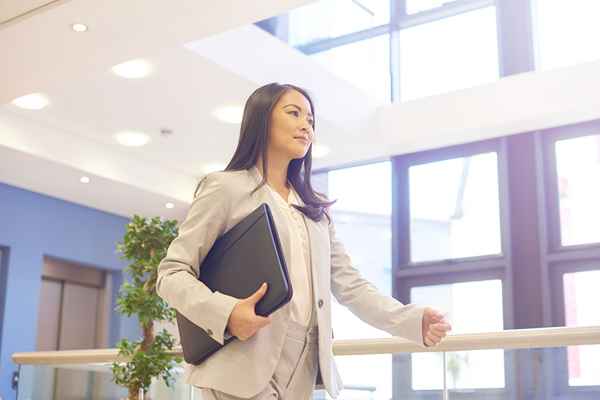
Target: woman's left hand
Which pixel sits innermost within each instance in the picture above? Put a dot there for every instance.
(434, 327)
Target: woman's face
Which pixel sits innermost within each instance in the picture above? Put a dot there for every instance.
(291, 132)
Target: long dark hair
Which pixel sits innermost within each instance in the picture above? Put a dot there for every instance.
(253, 143)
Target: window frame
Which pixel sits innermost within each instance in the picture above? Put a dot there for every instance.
(557, 259)
(401, 195)
(448, 9)
(557, 370)
(548, 143)
(399, 20)
(532, 245)
(408, 274)
(525, 242)
(402, 371)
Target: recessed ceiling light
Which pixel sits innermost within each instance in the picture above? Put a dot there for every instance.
(169, 205)
(133, 69)
(229, 114)
(84, 179)
(33, 101)
(132, 138)
(79, 27)
(319, 150)
(208, 168)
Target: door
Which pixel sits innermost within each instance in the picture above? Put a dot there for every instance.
(71, 317)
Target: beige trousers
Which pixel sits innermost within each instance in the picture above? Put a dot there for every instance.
(296, 371)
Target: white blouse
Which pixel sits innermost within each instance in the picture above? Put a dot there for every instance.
(299, 266)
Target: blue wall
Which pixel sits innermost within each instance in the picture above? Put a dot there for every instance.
(33, 226)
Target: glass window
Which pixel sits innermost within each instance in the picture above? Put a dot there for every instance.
(465, 369)
(364, 64)
(327, 19)
(372, 196)
(455, 208)
(362, 217)
(449, 54)
(581, 300)
(568, 32)
(578, 171)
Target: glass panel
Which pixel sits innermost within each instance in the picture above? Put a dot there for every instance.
(364, 64)
(578, 170)
(581, 291)
(456, 299)
(455, 208)
(372, 196)
(478, 369)
(39, 382)
(529, 374)
(568, 32)
(465, 369)
(374, 382)
(446, 55)
(332, 18)
(88, 381)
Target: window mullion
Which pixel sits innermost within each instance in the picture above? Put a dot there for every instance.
(449, 10)
(330, 43)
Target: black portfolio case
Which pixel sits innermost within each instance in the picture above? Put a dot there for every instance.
(238, 263)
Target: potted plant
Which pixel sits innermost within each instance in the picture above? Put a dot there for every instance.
(145, 244)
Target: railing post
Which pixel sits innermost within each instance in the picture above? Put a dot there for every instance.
(445, 392)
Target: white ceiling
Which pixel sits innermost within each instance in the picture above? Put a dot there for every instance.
(89, 104)
(208, 54)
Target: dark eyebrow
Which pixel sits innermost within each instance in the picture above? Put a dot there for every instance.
(299, 108)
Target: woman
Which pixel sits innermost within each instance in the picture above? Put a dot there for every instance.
(283, 355)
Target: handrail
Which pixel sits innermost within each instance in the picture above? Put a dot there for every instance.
(508, 339)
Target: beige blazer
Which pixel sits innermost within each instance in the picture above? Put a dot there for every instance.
(243, 368)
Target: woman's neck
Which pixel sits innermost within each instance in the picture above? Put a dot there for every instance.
(277, 176)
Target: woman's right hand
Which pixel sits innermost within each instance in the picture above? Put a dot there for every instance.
(243, 322)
